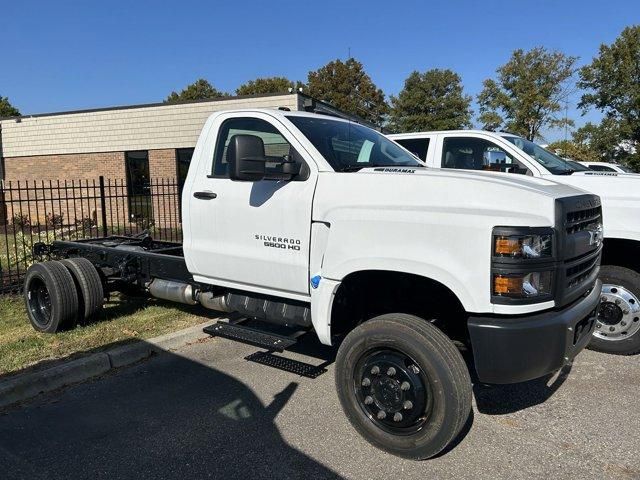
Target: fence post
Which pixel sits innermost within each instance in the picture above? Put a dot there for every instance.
(103, 207)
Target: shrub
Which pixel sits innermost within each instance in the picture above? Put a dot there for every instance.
(55, 220)
(86, 223)
(21, 220)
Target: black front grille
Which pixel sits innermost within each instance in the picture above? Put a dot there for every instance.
(577, 274)
(580, 220)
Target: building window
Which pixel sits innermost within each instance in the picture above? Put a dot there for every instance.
(138, 186)
(183, 159)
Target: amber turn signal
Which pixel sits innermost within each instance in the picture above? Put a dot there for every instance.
(505, 285)
(508, 246)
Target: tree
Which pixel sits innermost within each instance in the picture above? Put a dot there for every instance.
(6, 109)
(574, 151)
(266, 85)
(347, 86)
(612, 81)
(433, 100)
(198, 90)
(528, 92)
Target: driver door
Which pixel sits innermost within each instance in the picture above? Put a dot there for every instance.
(253, 234)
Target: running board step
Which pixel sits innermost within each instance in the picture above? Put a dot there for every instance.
(251, 336)
(287, 364)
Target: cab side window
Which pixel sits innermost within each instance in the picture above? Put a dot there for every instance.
(468, 153)
(275, 145)
(418, 146)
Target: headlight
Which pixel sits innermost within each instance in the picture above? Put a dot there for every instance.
(523, 246)
(523, 285)
(523, 265)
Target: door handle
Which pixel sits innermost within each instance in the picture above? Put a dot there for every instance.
(205, 195)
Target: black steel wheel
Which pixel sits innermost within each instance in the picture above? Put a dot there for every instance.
(393, 391)
(50, 297)
(403, 385)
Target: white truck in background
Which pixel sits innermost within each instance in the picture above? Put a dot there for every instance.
(317, 224)
(618, 328)
(607, 167)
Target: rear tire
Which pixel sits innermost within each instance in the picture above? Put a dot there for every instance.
(618, 328)
(408, 369)
(50, 297)
(88, 285)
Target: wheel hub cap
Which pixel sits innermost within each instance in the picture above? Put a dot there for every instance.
(393, 391)
(619, 313)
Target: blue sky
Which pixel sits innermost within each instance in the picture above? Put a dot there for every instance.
(64, 55)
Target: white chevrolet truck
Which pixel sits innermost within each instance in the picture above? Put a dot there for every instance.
(618, 327)
(301, 222)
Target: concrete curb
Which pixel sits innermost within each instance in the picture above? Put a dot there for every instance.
(28, 385)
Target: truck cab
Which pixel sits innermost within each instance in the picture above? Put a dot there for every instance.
(618, 330)
(317, 224)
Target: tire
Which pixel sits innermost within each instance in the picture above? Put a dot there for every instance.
(435, 381)
(88, 285)
(618, 328)
(50, 297)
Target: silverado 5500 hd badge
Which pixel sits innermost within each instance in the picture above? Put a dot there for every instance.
(284, 243)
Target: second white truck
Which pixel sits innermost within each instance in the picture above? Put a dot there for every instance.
(316, 224)
(618, 328)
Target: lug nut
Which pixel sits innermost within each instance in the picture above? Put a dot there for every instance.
(618, 302)
(366, 382)
(408, 405)
(368, 400)
(382, 415)
(612, 329)
(603, 299)
(404, 386)
(397, 417)
(626, 312)
(624, 324)
(391, 372)
(375, 370)
(598, 325)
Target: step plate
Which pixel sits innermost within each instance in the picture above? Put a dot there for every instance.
(286, 364)
(251, 336)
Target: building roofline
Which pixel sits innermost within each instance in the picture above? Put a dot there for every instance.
(147, 105)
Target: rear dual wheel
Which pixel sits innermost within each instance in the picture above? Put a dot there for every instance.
(403, 385)
(60, 293)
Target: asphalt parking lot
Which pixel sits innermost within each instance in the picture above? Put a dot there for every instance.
(206, 412)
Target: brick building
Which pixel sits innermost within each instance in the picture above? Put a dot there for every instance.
(131, 144)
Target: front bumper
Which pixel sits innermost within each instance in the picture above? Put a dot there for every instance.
(510, 349)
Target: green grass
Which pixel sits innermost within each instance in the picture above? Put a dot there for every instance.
(124, 319)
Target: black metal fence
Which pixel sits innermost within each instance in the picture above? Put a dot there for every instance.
(43, 211)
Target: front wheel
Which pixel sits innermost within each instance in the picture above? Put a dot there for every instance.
(403, 385)
(618, 327)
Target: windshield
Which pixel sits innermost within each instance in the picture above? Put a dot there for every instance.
(550, 161)
(349, 147)
(626, 169)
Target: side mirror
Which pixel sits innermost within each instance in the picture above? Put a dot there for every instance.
(246, 158)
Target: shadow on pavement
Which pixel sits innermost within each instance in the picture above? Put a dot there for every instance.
(504, 399)
(168, 418)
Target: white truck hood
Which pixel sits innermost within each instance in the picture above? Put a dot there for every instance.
(547, 186)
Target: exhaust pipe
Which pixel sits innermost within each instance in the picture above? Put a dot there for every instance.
(214, 302)
(184, 293)
(172, 291)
